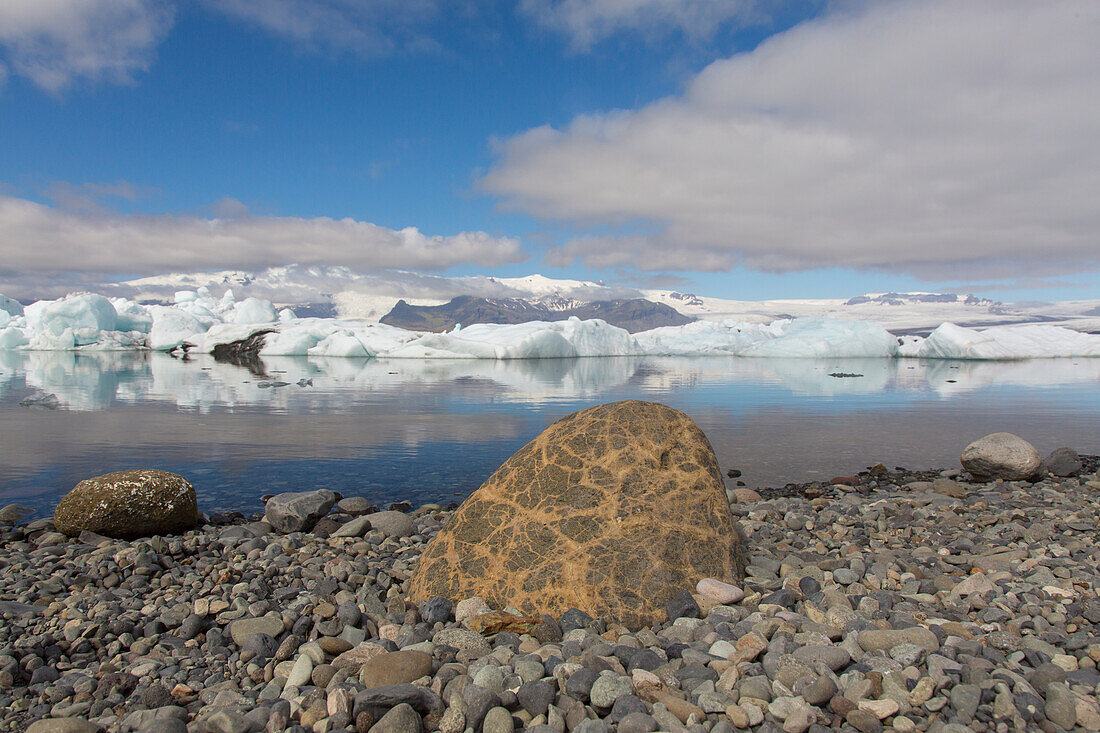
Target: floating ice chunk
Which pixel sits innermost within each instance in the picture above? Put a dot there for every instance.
(12, 338)
(1005, 342)
(910, 345)
(132, 316)
(173, 327)
(328, 337)
(810, 338)
(340, 344)
(286, 314)
(705, 338)
(798, 338)
(534, 340)
(84, 312)
(11, 307)
(184, 296)
(254, 310)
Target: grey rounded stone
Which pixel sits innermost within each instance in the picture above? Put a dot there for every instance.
(393, 524)
(863, 721)
(469, 643)
(536, 697)
(260, 644)
(965, 700)
(638, 723)
(436, 610)
(845, 576)
(498, 720)
(1063, 462)
(579, 684)
(400, 719)
(835, 658)
(243, 628)
(607, 689)
(298, 511)
(1001, 455)
(627, 705)
(1061, 705)
(820, 691)
(191, 627)
(886, 639)
(355, 505)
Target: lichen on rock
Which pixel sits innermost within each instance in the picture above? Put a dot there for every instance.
(611, 510)
(129, 504)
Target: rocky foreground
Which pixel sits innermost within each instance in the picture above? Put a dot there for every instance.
(895, 601)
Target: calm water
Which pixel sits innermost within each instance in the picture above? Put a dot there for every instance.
(434, 430)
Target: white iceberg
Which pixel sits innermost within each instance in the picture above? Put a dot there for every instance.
(12, 338)
(10, 307)
(1029, 341)
(173, 327)
(254, 310)
(815, 338)
(80, 312)
(131, 316)
(534, 340)
(799, 338)
(89, 322)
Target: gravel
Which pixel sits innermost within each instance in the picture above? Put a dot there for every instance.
(891, 600)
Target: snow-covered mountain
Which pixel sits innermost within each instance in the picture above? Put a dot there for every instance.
(897, 312)
(369, 297)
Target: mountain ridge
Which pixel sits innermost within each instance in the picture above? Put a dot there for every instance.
(633, 314)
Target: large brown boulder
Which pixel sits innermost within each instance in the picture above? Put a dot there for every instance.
(128, 504)
(612, 510)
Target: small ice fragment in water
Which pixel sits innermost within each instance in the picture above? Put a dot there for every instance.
(41, 399)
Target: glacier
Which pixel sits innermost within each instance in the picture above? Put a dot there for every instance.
(198, 320)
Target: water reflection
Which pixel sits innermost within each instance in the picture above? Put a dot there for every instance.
(96, 381)
(433, 429)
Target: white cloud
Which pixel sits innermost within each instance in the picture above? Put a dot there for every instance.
(36, 237)
(379, 26)
(54, 42)
(925, 137)
(588, 21)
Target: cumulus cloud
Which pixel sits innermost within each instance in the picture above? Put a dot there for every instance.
(585, 22)
(35, 237)
(380, 26)
(934, 138)
(54, 42)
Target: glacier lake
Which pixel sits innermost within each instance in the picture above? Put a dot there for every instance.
(433, 430)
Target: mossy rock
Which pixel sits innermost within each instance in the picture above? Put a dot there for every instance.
(129, 504)
(612, 510)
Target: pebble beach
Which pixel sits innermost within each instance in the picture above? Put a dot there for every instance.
(889, 600)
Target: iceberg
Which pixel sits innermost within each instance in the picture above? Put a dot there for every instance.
(173, 327)
(131, 316)
(12, 338)
(533, 340)
(1029, 341)
(199, 321)
(816, 338)
(10, 307)
(807, 338)
(254, 310)
(84, 312)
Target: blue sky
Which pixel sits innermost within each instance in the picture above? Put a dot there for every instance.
(739, 149)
